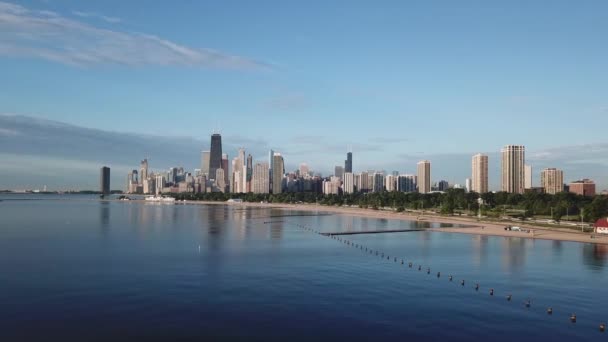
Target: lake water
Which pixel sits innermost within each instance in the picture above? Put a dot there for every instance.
(75, 268)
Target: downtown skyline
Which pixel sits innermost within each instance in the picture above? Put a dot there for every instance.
(398, 83)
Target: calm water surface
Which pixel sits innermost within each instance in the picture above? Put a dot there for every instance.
(75, 268)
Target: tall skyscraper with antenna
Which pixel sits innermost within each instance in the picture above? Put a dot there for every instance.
(348, 163)
(215, 154)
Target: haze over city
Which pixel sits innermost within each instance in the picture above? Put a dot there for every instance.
(91, 84)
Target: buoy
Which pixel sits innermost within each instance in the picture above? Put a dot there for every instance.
(573, 318)
(476, 287)
(410, 265)
(491, 292)
(419, 267)
(438, 274)
(388, 257)
(428, 270)
(401, 261)
(462, 282)
(450, 278)
(549, 311)
(527, 303)
(509, 298)
(395, 259)
(602, 327)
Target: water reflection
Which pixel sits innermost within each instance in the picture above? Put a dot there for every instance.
(513, 254)
(104, 217)
(480, 249)
(595, 256)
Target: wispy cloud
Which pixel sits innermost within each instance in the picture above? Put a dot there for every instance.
(97, 16)
(288, 101)
(51, 36)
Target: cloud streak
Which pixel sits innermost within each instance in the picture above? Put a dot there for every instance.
(51, 36)
(105, 18)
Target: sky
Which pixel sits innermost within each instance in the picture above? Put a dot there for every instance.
(397, 81)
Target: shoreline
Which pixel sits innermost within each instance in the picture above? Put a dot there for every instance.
(474, 227)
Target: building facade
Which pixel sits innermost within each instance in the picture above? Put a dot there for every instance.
(424, 176)
(552, 180)
(261, 181)
(104, 180)
(528, 177)
(479, 174)
(512, 168)
(215, 155)
(348, 163)
(583, 187)
(278, 170)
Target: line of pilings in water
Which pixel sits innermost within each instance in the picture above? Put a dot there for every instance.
(337, 236)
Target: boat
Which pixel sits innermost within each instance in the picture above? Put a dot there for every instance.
(160, 199)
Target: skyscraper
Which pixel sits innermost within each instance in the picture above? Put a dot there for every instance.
(339, 171)
(270, 167)
(260, 185)
(480, 173)
(424, 176)
(278, 170)
(104, 180)
(348, 163)
(143, 171)
(225, 167)
(513, 161)
(552, 180)
(406, 183)
(304, 170)
(249, 172)
(215, 155)
(378, 182)
(205, 163)
(528, 176)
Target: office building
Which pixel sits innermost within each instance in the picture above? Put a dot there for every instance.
(278, 171)
(512, 169)
(249, 172)
(226, 169)
(390, 183)
(143, 171)
(583, 187)
(480, 173)
(339, 171)
(205, 163)
(552, 180)
(348, 163)
(104, 180)
(528, 177)
(378, 182)
(215, 155)
(260, 180)
(424, 176)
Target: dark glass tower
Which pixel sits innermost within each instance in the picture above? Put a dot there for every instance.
(215, 155)
(104, 180)
(348, 163)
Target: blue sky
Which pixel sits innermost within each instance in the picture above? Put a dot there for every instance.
(400, 81)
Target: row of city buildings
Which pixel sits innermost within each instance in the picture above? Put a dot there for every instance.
(242, 175)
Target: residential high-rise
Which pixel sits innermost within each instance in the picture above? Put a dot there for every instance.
(278, 170)
(220, 179)
(104, 180)
(528, 177)
(583, 187)
(363, 185)
(552, 180)
(249, 172)
(349, 183)
(205, 163)
(424, 176)
(215, 155)
(304, 170)
(339, 171)
(480, 173)
(468, 185)
(260, 180)
(270, 167)
(348, 163)
(406, 183)
(390, 183)
(378, 182)
(226, 168)
(513, 161)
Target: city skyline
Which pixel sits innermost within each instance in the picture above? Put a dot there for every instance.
(372, 78)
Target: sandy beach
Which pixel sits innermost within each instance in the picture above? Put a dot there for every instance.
(472, 226)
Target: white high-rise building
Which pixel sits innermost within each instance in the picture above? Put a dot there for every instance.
(424, 176)
(304, 170)
(468, 185)
(363, 184)
(261, 181)
(390, 183)
(480, 173)
(513, 161)
(349, 183)
(528, 176)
